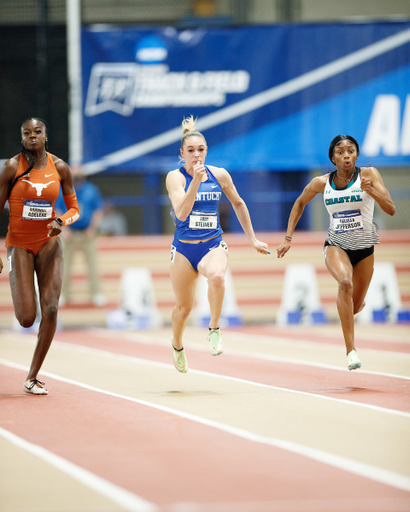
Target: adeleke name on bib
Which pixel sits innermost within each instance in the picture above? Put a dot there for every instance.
(37, 210)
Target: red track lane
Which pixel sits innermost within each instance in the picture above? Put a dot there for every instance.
(167, 459)
(378, 390)
(368, 341)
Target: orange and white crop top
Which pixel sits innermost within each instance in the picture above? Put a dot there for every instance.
(32, 198)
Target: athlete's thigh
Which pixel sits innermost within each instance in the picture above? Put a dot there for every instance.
(215, 261)
(362, 275)
(21, 278)
(49, 270)
(184, 280)
(338, 263)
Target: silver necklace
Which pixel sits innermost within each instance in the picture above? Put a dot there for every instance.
(346, 179)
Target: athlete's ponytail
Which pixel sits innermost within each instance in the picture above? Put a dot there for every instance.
(188, 129)
(31, 161)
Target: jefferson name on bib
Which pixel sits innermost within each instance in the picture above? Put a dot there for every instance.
(349, 220)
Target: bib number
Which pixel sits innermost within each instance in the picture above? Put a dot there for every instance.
(349, 220)
(173, 251)
(37, 210)
(203, 221)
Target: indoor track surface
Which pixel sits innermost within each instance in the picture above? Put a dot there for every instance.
(275, 424)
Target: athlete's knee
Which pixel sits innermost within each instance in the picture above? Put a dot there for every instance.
(216, 279)
(26, 319)
(183, 311)
(345, 284)
(50, 313)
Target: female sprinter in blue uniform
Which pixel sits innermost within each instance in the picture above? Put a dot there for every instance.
(195, 190)
(349, 194)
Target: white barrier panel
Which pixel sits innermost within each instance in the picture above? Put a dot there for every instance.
(138, 309)
(383, 302)
(300, 296)
(230, 312)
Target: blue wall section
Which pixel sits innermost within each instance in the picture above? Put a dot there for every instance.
(310, 131)
(277, 95)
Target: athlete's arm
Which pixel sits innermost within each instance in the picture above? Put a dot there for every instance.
(70, 198)
(182, 202)
(372, 184)
(7, 174)
(316, 186)
(240, 208)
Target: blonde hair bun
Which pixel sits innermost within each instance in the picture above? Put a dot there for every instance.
(188, 124)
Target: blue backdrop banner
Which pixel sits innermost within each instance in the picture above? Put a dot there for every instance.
(266, 98)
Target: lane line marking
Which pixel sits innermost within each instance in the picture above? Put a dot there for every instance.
(148, 340)
(377, 474)
(263, 338)
(121, 357)
(132, 359)
(147, 362)
(121, 497)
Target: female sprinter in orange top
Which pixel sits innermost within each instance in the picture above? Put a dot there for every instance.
(31, 181)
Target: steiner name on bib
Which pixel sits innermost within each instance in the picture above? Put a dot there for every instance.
(203, 221)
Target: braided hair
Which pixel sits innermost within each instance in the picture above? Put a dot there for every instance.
(27, 153)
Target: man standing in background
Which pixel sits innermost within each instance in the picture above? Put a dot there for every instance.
(82, 236)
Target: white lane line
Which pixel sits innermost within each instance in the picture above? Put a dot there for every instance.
(112, 355)
(263, 338)
(121, 497)
(149, 340)
(383, 476)
(131, 359)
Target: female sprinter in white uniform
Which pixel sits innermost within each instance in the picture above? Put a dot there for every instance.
(349, 195)
(195, 191)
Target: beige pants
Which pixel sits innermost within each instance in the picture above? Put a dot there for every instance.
(80, 241)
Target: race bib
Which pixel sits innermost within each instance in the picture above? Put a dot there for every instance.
(200, 220)
(173, 251)
(37, 210)
(349, 220)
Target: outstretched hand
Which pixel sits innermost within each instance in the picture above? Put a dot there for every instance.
(261, 247)
(283, 248)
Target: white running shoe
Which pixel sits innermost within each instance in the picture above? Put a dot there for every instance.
(34, 387)
(179, 359)
(353, 362)
(215, 340)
